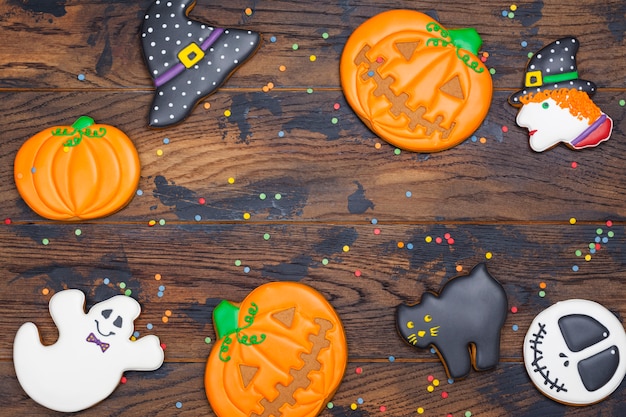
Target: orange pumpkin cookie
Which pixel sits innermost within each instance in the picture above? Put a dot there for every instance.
(78, 172)
(416, 84)
(281, 352)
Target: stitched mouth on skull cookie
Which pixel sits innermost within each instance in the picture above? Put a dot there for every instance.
(538, 357)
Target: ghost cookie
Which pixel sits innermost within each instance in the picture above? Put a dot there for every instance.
(555, 104)
(90, 356)
(414, 83)
(575, 352)
(188, 60)
(281, 352)
(462, 323)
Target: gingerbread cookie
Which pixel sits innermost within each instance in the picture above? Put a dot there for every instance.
(416, 84)
(575, 352)
(281, 352)
(555, 103)
(462, 323)
(188, 60)
(90, 356)
(78, 172)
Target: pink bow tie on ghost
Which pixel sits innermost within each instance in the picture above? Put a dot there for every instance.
(93, 339)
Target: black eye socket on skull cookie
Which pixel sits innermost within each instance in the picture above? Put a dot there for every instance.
(106, 313)
(597, 370)
(581, 331)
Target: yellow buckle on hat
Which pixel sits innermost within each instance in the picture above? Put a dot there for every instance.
(534, 79)
(190, 55)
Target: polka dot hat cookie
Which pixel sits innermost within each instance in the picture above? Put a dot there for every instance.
(188, 60)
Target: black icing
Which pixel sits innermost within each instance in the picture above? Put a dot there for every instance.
(168, 32)
(581, 331)
(469, 312)
(538, 367)
(597, 370)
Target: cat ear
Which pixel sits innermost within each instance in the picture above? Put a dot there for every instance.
(481, 268)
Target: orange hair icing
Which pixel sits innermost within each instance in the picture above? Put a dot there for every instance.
(577, 102)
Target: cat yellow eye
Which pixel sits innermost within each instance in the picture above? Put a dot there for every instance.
(428, 318)
(410, 325)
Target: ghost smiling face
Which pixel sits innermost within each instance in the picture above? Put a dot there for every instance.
(90, 356)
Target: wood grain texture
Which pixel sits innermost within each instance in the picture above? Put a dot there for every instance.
(327, 186)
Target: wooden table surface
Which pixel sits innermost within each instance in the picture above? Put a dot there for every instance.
(329, 185)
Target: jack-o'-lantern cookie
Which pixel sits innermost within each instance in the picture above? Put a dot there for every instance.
(78, 172)
(281, 352)
(414, 83)
(187, 59)
(575, 352)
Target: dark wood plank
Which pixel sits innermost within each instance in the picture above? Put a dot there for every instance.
(326, 171)
(48, 47)
(198, 268)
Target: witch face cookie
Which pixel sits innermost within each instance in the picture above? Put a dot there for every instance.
(280, 352)
(555, 103)
(575, 352)
(462, 323)
(188, 60)
(414, 83)
(93, 350)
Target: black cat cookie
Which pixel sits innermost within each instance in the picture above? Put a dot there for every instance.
(462, 323)
(188, 60)
(575, 352)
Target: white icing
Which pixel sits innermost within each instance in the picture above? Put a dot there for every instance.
(551, 125)
(79, 370)
(554, 359)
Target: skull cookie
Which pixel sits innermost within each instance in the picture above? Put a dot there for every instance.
(574, 352)
(92, 352)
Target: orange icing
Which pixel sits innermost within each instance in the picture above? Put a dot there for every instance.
(577, 102)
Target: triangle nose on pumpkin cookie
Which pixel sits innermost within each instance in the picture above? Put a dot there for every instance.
(407, 48)
(247, 374)
(453, 88)
(285, 316)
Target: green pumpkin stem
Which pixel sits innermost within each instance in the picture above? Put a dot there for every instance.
(466, 38)
(83, 122)
(225, 318)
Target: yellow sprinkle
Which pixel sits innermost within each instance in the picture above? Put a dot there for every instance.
(513, 7)
(151, 222)
(346, 248)
(420, 410)
(488, 255)
(587, 257)
(246, 216)
(436, 382)
(231, 180)
(428, 239)
(430, 388)
(66, 149)
(312, 58)
(572, 220)
(353, 406)
(227, 113)
(159, 152)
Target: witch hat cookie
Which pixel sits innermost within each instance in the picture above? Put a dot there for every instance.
(188, 60)
(555, 103)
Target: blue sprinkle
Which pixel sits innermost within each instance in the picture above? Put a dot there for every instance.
(246, 269)
(575, 268)
(524, 44)
(179, 404)
(370, 73)
(474, 138)
(273, 39)
(505, 13)
(374, 221)
(140, 192)
(81, 77)
(515, 327)
(598, 239)
(605, 239)
(359, 400)
(166, 141)
(149, 326)
(106, 281)
(161, 287)
(160, 294)
(33, 170)
(281, 134)
(198, 217)
(408, 194)
(392, 358)
(450, 381)
(136, 334)
(592, 251)
(409, 246)
(433, 351)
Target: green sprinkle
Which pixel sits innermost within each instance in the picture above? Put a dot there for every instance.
(207, 340)
(330, 405)
(78, 232)
(45, 241)
(611, 234)
(579, 252)
(468, 414)
(262, 196)
(324, 261)
(530, 55)
(266, 236)
(128, 292)
(295, 46)
(492, 71)
(334, 120)
(397, 151)
(542, 293)
(162, 222)
(309, 90)
(511, 16)
(599, 231)
(325, 35)
(237, 262)
(122, 285)
(622, 103)
(278, 196)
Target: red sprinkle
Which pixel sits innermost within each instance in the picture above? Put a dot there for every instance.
(431, 378)
(7, 221)
(359, 370)
(201, 201)
(383, 408)
(337, 106)
(609, 223)
(513, 309)
(574, 165)
(123, 380)
(357, 273)
(444, 395)
(163, 346)
(505, 129)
